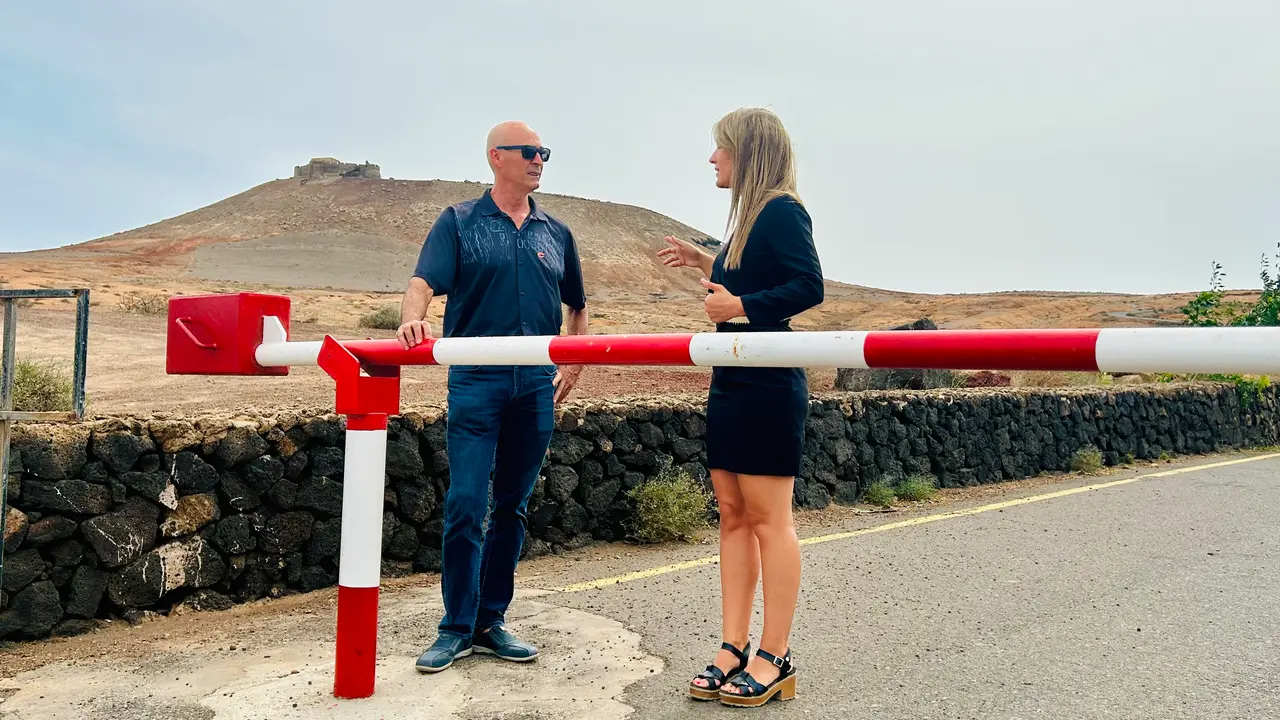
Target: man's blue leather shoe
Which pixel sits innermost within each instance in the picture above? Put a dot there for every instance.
(503, 644)
(442, 653)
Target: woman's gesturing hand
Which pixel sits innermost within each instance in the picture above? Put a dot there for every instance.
(680, 253)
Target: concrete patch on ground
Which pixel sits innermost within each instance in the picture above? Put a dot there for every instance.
(283, 669)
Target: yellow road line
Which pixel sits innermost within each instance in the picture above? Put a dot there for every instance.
(713, 559)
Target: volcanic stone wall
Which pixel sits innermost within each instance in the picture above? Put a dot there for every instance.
(120, 517)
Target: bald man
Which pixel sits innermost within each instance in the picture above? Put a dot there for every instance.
(507, 267)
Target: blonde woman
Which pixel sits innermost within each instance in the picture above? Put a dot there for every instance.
(766, 272)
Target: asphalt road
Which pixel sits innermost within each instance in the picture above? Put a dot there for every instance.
(1157, 599)
(1150, 598)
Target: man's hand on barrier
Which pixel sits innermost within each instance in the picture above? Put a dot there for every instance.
(721, 305)
(566, 377)
(414, 332)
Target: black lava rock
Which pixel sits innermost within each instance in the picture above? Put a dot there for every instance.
(320, 494)
(235, 535)
(237, 493)
(404, 461)
(120, 450)
(326, 542)
(286, 533)
(121, 537)
(85, 594)
(561, 482)
(569, 449)
(327, 462)
(66, 496)
(67, 554)
(262, 472)
(283, 495)
(427, 559)
(191, 474)
(147, 485)
(22, 568)
(33, 612)
(240, 444)
(417, 501)
(51, 529)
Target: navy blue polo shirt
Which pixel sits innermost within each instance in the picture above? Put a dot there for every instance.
(501, 280)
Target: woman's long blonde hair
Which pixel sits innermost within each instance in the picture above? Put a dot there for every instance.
(763, 168)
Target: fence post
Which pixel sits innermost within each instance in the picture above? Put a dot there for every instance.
(6, 404)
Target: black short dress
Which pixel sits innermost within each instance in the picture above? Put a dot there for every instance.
(756, 415)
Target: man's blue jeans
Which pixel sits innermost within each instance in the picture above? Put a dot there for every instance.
(500, 420)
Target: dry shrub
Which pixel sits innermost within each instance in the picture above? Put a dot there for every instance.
(1087, 460)
(386, 317)
(41, 386)
(917, 487)
(1055, 378)
(671, 506)
(140, 303)
(879, 493)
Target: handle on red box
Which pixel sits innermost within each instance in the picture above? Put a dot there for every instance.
(182, 323)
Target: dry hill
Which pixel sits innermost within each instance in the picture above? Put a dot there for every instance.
(356, 234)
(337, 237)
(342, 242)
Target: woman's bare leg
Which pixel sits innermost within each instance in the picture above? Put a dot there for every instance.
(768, 506)
(739, 568)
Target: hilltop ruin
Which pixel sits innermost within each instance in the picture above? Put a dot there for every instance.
(327, 167)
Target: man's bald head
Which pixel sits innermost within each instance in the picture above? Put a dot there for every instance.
(511, 132)
(510, 168)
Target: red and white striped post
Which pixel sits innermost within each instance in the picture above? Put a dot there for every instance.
(366, 394)
(247, 334)
(360, 558)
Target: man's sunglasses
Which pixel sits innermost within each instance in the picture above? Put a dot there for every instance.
(528, 151)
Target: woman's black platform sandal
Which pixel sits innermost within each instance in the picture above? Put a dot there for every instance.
(716, 677)
(751, 693)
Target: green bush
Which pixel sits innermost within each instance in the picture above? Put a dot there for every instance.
(1210, 308)
(386, 317)
(917, 487)
(879, 494)
(670, 506)
(41, 386)
(1087, 460)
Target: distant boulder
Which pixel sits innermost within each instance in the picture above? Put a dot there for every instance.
(856, 379)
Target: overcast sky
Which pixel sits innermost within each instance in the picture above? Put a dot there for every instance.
(943, 146)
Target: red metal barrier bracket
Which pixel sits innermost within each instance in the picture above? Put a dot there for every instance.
(361, 389)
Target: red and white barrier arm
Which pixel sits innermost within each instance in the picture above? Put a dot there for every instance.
(1133, 350)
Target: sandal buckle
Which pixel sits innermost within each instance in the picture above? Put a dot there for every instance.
(777, 661)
